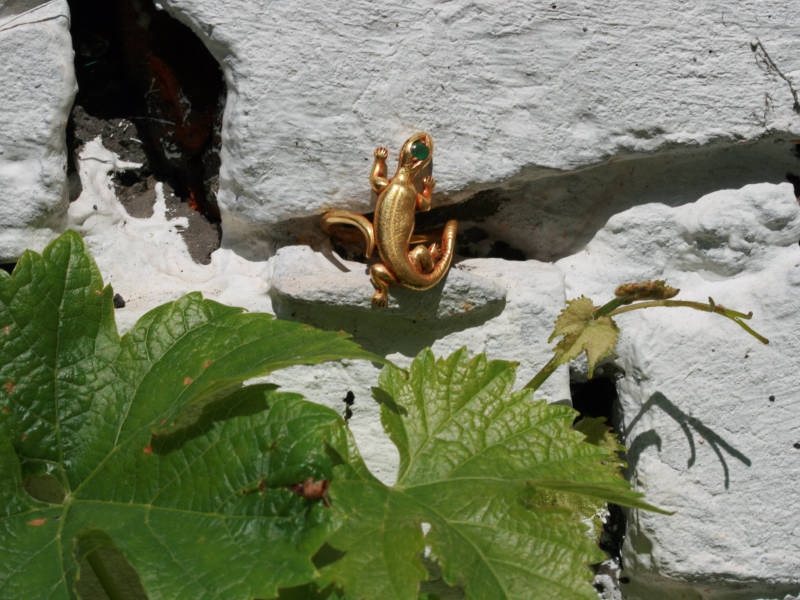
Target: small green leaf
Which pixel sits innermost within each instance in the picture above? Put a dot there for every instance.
(584, 332)
(487, 469)
(149, 444)
(597, 432)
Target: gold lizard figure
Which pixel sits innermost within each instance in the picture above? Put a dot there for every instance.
(405, 259)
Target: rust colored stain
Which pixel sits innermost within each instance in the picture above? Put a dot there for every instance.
(182, 123)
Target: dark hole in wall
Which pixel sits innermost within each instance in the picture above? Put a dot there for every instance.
(474, 241)
(598, 397)
(795, 181)
(595, 397)
(156, 95)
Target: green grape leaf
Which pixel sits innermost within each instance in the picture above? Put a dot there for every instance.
(487, 471)
(582, 331)
(150, 444)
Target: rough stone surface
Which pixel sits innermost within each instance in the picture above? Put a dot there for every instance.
(708, 412)
(304, 277)
(505, 88)
(37, 84)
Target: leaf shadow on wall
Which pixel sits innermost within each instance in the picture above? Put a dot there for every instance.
(687, 423)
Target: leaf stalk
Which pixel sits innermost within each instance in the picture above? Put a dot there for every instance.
(711, 306)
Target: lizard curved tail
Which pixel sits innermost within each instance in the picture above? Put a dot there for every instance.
(360, 222)
(437, 264)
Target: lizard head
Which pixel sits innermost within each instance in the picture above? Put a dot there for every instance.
(417, 153)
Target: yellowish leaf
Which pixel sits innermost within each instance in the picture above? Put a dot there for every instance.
(574, 317)
(583, 332)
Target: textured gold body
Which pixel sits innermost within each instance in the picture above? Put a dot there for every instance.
(415, 262)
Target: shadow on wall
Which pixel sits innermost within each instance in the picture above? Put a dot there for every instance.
(688, 424)
(407, 330)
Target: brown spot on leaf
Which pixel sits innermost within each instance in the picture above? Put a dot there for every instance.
(187, 380)
(9, 385)
(37, 522)
(313, 490)
(148, 449)
(6, 329)
(207, 364)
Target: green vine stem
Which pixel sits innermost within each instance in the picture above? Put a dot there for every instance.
(625, 303)
(711, 306)
(543, 373)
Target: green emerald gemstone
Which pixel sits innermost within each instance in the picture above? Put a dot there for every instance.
(419, 151)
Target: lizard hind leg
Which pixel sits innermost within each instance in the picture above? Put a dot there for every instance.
(423, 257)
(381, 278)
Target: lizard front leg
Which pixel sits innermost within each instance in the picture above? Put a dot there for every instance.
(424, 197)
(377, 177)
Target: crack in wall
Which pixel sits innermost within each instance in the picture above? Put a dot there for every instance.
(547, 214)
(764, 60)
